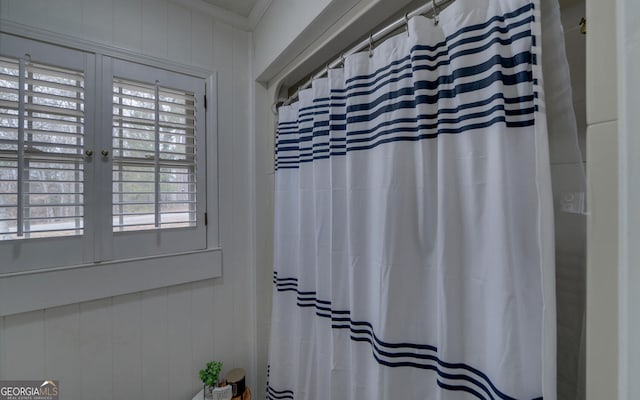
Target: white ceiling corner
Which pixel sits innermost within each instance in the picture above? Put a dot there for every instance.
(241, 14)
(258, 10)
(222, 14)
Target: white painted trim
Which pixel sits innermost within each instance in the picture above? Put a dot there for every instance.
(219, 13)
(212, 167)
(257, 12)
(253, 314)
(44, 288)
(68, 285)
(629, 196)
(46, 36)
(623, 249)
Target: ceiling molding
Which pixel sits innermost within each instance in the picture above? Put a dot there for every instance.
(257, 12)
(90, 46)
(229, 17)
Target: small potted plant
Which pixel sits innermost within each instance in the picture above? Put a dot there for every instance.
(209, 376)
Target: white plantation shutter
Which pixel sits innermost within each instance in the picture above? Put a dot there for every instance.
(158, 164)
(41, 150)
(101, 159)
(154, 159)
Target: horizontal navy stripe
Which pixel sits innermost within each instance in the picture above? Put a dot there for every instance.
(314, 111)
(430, 366)
(497, 76)
(523, 76)
(462, 107)
(378, 351)
(497, 18)
(480, 379)
(369, 331)
(431, 126)
(504, 62)
(449, 38)
(457, 110)
(286, 164)
(440, 131)
(272, 390)
(275, 394)
(415, 58)
(276, 397)
(475, 50)
(286, 279)
(407, 68)
(460, 388)
(324, 147)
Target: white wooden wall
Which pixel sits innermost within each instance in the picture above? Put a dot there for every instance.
(150, 345)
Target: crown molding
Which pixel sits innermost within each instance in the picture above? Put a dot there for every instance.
(89, 46)
(219, 13)
(257, 12)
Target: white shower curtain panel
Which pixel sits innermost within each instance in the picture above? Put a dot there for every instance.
(413, 219)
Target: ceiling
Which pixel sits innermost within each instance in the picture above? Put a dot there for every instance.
(240, 7)
(245, 14)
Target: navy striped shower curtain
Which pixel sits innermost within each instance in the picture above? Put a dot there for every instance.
(414, 240)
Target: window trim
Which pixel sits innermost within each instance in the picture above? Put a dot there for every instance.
(159, 241)
(75, 249)
(34, 289)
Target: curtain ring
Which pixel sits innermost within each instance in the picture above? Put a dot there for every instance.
(370, 45)
(406, 22)
(436, 12)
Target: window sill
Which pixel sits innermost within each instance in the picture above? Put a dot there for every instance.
(35, 290)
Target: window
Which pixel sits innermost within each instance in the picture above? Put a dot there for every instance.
(41, 144)
(100, 158)
(154, 166)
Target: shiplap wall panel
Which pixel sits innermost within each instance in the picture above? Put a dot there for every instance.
(29, 11)
(96, 350)
(23, 346)
(62, 332)
(155, 346)
(97, 20)
(179, 336)
(65, 16)
(154, 27)
(223, 61)
(206, 325)
(201, 39)
(127, 338)
(172, 331)
(127, 26)
(177, 36)
(241, 140)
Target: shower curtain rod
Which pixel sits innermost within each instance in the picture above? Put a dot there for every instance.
(433, 7)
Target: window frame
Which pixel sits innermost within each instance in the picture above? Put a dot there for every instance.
(24, 254)
(58, 271)
(146, 243)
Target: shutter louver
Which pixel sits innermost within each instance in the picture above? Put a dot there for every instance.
(154, 166)
(41, 145)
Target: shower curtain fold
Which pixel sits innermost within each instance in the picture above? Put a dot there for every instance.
(413, 236)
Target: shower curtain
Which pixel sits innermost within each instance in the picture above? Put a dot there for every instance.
(414, 248)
